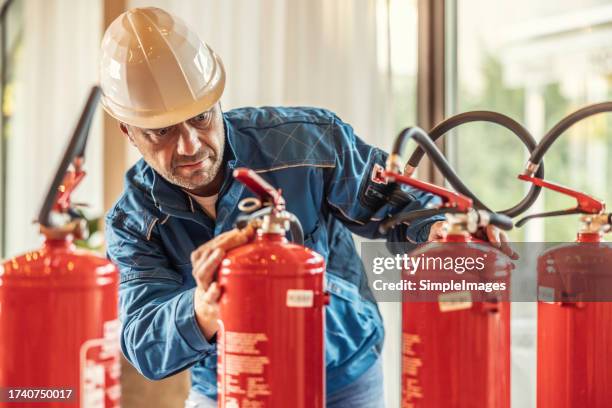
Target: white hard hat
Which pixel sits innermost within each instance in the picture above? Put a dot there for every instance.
(155, 71)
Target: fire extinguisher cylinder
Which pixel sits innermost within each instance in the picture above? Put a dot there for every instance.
(271, 311)
(469, 364)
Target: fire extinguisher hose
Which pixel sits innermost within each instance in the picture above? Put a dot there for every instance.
(410, 216)
(553, 134)
(493, 117)
(501, 221)
(484, 218)
(427, 144)
(295, 227)
(75, 149)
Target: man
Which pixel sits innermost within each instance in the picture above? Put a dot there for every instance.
(168, 232)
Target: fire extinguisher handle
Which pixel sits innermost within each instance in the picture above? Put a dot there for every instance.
(584, 202)
(450, 199)
(260, 187)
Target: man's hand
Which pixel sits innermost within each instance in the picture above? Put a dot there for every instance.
(499, 239)
(205, 261)
(494, 235)
(437, 231)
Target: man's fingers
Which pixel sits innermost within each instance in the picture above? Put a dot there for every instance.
(200, 254)
(225, 241)
(493, 236)
(436, 231)
(203, 251)
(207, 309)
(235, 237)
(506, 247)
(212, 295)
(203, 271)
(206, 259)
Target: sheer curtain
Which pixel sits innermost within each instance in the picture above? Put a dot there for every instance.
(55, 66)
(296, 52)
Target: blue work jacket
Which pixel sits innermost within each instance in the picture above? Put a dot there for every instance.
(325, 173)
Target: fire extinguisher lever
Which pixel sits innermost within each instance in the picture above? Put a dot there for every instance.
(272, 217)
(268, 195)
(450, 199)
(585, 204)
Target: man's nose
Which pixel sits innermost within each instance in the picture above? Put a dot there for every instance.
(189, 142)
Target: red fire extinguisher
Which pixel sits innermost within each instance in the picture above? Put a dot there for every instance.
(574, 307)
(456, 346)
(457, 352)
(59, 344)
(271, 314)
(574, 311)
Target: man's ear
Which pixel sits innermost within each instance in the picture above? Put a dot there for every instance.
(123, 128)
(126, 131)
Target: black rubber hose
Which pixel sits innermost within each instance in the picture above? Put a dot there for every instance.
(501, 221)
(409, 216)
(493, 117)
(427, 144)
(561, 126)
(76, 148)
(297, 232)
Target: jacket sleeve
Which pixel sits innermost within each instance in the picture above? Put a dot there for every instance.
(159, 332)
(358, 200)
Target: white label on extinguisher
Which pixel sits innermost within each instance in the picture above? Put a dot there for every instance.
(450, 302)
(100, 369)
(546, 294)
(300, 298)
(243, 362)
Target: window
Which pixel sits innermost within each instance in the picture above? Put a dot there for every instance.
(536, 62)
(11, 35)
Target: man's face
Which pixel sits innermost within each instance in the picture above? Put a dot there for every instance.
(188, 154)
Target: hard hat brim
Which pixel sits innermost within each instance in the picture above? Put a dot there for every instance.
(161, 119)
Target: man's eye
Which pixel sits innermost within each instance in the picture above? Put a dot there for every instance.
(200, 117)
(162, 131)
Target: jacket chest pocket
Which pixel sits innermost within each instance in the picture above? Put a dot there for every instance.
(314, 239)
